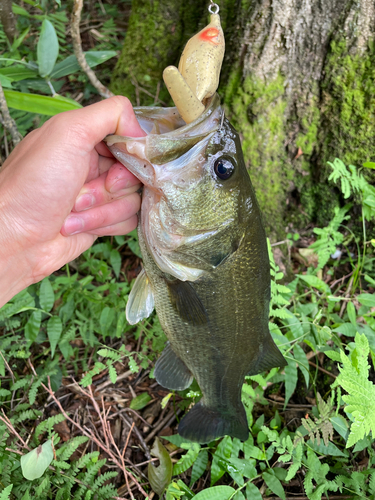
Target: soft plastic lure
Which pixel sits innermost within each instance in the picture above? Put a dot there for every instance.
(198, 73)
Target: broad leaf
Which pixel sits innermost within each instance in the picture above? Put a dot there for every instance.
(34, 103)
(54, 329)
(160, 476)
(252, 492)
(48, 48)
(46, 295)
(315, 282)
(32, 326)
(70, 64)
(216, 493)
(366, 299)
(274, 484)
(140, 401)
(199, 466)
(34, 463)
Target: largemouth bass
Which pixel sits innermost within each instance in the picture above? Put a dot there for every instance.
(206, 266)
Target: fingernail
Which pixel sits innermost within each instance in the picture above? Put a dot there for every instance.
(119, 185)
(84, 201)
(73, 225)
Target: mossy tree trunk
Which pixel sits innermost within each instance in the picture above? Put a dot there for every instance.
(297, 82)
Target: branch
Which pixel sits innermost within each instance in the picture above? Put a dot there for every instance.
(77, 45)
(8, 121)
(8, 20)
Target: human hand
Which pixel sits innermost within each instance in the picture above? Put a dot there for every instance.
(60, 189)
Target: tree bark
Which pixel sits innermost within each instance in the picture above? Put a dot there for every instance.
(297, 83)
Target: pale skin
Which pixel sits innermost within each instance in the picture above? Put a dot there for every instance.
(60, 189)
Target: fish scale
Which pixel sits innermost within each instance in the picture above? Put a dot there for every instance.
(206, 261)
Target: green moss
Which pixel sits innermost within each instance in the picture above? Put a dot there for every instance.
(257, 110)
(155, 38)
(349, 105)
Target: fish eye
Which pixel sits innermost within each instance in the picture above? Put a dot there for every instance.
(224, 168)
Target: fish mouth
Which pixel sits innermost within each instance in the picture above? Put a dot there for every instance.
(168, 138)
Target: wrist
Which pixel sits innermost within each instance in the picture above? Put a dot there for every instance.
(14, 274)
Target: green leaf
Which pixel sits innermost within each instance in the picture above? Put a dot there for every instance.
(160, 476)
(48, 48)
(215, 493)
(34, 103)
(199, 467)
(315, 282)
(350, 309)
(329, 450)
(115, 260)
(303, 363)
(5, 494)
(187, 460)
(369, 164)
(140, 401)
(34, 463)
(220, 459)
(291, 378)
(70, 64)
(252, 492)
(179, 441)
(32, 326)
(346, 329)
(340, 425)
(54, 329)
(106, 319)
(46, 295)
(274, 484)
(366, 299)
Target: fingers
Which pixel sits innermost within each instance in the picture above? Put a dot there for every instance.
(117, 229)
(116, 183)
(112, 116)
(110, 214)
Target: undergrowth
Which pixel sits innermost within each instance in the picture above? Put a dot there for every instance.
(312, 424)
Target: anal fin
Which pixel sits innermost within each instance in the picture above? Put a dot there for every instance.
(171, 372)
(269, 357)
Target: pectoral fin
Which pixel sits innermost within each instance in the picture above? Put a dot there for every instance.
(186, 302)
(141, 300)
(171, 372)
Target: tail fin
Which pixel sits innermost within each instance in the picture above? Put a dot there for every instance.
(203, 424)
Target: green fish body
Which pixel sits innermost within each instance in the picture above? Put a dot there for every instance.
(206, 266)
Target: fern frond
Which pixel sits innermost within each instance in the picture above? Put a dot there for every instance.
(27, 415)
(100, 480)
(5, 494)
(321, 425)
(107, 491)
(85, 460)
(360, 399)
(21, 383)
(46, 425)
(68, 448)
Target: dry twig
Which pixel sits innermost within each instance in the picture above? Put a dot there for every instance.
(77, 45)
(115, 457)
(8, 121)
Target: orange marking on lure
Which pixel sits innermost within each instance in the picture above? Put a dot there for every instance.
(209, 34)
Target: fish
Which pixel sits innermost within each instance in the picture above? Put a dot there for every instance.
(206, 269)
